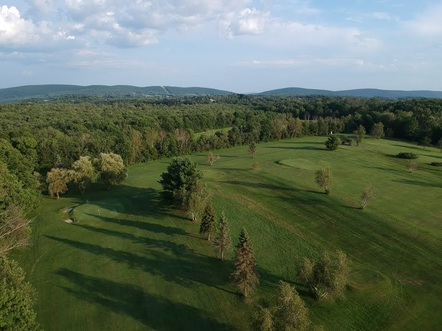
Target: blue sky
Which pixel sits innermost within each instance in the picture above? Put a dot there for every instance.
(236, 45)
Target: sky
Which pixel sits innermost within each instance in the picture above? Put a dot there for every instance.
(236, 45)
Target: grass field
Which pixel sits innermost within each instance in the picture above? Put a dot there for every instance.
(131, 263)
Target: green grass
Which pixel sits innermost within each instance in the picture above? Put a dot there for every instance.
(131, 263)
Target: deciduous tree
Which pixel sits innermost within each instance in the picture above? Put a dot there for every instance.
(111, 169)
(359, 134)
(212, 158)
(83, 172)
(58, 179)
(17, 298)
(244, 276)
(195, 199)
(377, 131)
(327, 277)
(290, 311)
(368, 194)
(323, 178)
(14, 229)
(252, 149)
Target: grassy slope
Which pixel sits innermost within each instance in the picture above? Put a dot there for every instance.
(131, 263)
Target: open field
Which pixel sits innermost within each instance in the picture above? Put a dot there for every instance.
(131, 263)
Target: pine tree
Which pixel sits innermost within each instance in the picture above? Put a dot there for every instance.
(208, 221)
(222, 240)
(244, 276)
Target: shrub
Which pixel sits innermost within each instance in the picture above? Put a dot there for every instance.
(406, 155)
(436, 164)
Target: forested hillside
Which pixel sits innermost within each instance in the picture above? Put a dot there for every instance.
(56, 134)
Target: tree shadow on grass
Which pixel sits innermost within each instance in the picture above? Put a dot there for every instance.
(153, 311)
(170, 261)
(151, 227)
(256, 185)
(150, 243)
(417, 183)
(308, 148)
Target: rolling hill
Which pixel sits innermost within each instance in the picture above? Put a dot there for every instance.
(43, 92)
(28, 92)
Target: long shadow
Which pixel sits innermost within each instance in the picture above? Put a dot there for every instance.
(265, 186)
(150, 243)
(308, 148)
(141, 201)
(171, 262)
(417, 183)
(153, 311)
(151, 227)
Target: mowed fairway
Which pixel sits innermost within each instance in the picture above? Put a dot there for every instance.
(131, 263)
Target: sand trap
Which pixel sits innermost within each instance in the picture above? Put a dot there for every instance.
(69, 221)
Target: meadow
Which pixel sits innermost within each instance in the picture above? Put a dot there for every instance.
(129, 262)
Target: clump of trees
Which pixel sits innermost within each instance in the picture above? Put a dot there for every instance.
(17, 298)
(182, 186)
(326, 277)
(109, 169)
(286, 312)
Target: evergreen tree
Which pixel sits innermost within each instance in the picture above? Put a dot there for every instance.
(222, 242)
(244, 276)
(208, 221)
(332, 143)
(180, 178)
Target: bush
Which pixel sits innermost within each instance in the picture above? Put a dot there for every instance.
(332, 143)
(346, 140)
(406, 155)
(436, 164)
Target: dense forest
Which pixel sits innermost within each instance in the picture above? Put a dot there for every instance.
(42, 140)
(40, 136)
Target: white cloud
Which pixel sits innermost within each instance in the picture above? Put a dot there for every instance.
(247, 22)
(14, 29)
(19, 33)
(428, 23)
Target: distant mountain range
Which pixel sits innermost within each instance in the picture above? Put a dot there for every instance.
(32, 92)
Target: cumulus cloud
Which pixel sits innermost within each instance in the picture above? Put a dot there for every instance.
(17, 32)
(247, 22)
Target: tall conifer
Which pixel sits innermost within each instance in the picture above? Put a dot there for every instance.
(208, 221)
(244, 276)
(222, 240)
